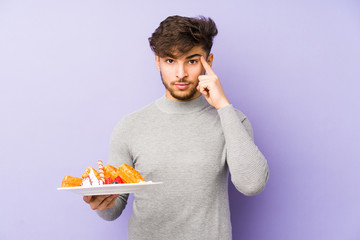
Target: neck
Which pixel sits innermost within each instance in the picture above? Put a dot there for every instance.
(182, 107)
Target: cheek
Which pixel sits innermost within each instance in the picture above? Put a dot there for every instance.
(196, 71)
(165, 70)
(167, 75)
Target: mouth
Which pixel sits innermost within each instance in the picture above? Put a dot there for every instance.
(182, 86)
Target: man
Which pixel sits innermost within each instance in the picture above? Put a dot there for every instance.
(189, 139)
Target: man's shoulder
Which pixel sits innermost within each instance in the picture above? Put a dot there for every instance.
(139, 115)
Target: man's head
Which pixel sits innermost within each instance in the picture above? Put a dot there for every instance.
(178, 44)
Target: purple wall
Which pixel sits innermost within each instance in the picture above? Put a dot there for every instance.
(69, 70)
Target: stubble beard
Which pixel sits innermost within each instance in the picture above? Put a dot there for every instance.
(184, 95)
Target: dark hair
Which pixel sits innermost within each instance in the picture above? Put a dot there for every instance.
(180, 34)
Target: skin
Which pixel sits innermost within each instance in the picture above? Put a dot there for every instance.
(185, 78)
(101, 202)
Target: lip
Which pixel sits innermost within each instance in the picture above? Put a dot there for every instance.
(182, 86)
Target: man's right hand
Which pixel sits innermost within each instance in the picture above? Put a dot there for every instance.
(101, 202)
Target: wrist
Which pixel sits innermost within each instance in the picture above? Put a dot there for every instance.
(222, 104)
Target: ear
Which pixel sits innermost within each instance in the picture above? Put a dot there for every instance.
(210, 59)
(157, 61)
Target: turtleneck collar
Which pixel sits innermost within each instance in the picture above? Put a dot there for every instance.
(181, 107)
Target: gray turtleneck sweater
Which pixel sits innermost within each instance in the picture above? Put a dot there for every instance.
(190, 147)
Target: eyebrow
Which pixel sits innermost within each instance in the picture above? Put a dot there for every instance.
(194, 55)
(188, 57)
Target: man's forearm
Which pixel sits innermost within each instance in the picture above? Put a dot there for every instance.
(247, 165)
(113, 213)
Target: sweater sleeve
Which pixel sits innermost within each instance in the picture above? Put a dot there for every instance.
(247, 165)
(119, 153)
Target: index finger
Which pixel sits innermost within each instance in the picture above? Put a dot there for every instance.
(207, 67)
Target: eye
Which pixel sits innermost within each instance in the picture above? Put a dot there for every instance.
(192, 61)
(169, 60)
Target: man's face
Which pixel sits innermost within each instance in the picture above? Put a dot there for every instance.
(180, 74)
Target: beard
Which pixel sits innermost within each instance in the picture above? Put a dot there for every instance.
(180, 95)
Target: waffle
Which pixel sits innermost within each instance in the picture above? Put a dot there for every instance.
(128, 174)
(110, 171)
(70, 181)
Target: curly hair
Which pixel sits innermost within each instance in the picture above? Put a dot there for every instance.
(177, 34)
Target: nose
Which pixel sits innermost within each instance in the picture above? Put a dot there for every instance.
(181, 71)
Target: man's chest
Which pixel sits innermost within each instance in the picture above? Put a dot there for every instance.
(165, 149)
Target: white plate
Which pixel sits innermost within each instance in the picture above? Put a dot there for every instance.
(110, 188)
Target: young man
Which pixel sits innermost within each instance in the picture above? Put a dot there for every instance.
(188, 139)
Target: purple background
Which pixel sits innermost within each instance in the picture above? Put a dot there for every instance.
(70, 70)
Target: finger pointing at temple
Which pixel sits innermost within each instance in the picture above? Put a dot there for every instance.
(209, 86)
(207, 67)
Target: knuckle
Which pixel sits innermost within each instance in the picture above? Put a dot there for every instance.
(101, 208)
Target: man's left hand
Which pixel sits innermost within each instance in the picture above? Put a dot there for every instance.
(209, 85)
